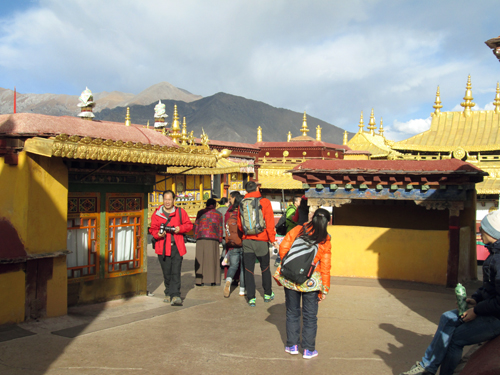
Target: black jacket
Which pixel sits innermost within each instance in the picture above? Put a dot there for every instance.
(488, 296)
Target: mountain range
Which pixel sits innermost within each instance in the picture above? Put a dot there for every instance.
(222, 116)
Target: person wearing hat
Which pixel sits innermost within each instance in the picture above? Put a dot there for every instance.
(208, 233)
(481, 322)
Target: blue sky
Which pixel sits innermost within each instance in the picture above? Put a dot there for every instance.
(332, 59)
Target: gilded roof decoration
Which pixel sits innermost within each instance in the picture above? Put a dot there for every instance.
(222, 166)
(491, 183)
(75, 147)
(278, 178)
(373, 143)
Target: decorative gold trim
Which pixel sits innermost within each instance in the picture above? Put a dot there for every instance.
(75, 147)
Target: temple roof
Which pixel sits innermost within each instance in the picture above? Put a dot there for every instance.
(300, 144)
(372, 143)
(36, 125)
(480, 131)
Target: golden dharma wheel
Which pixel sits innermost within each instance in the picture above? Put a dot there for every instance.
(285, 153)
(459, 153)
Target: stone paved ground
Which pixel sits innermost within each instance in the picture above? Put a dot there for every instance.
(365, 327)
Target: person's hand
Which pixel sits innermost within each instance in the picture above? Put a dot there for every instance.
(471, 301)
(276, 245)
(162, 234)
(177, 230)
(321, 297)
(469, 315)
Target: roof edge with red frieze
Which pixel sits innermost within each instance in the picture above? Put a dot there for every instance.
(300, 144)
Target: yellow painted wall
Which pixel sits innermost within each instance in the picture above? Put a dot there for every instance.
(397, 254)
(35, 199)
(57, 289)
(12, 295)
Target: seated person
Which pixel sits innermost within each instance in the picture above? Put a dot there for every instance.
(479, 323)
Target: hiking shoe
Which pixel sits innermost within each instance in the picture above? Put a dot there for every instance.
(417, 369)
(166, 299)
(251, 302)
(268, 298)
(176, 301)
(227, 288)
(277, 262)
(243, 292)
(308, 354)
(294, 349)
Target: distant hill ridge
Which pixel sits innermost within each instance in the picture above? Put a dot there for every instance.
(231, 118)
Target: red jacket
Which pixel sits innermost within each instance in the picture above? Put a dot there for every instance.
(269, 234)
(183, 223)
(323, 255)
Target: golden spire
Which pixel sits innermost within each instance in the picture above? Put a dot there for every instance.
(371, 125)
(361, 123)
(468, 104)
(259, 134)
(318, 133)
(176, 129)
(496, 102)
(304, 128)
(381, 129)
(289, 136)
(147, 125)
(344, 141)
(127, 117)
(184, 135)
(437, 104)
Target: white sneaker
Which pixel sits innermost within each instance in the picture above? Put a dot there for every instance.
(243, 292)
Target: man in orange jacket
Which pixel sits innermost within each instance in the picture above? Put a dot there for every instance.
(256, 246)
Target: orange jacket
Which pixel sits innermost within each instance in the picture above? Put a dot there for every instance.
(269, 234)
(323, 255)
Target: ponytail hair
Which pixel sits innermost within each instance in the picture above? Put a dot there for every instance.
(315, 231)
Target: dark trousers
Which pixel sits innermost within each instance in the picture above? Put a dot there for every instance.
(309, 312)
(249, 262)
(171, 267)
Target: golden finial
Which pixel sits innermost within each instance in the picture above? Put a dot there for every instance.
(184, 136)
(381, 129)
(344, 141)
(468, 104)
(176, 129)
(496, 102)
(361, 123)
(204, 138)
(127, 117)
(289, 136)
(437, 104)
(371, 125)
(304, 128)
(318, 133)
(147, 125)
(259, 134)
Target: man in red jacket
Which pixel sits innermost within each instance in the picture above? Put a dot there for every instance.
(256, 246)
(168, 224)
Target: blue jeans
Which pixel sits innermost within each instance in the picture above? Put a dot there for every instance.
(236, 259)
(451, 337)
(309, 313)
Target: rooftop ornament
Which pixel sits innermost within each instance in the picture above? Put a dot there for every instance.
(259, 134)
(176, 129)
(496, 102)
(160, 117)
(318, 133)
(127, 118)
(381, 129)
(86, 104)
(361, 123)
(437, 104)
(304, 129)
(371, 125)
(468, 104)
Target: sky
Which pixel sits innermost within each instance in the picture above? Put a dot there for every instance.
(332, 59)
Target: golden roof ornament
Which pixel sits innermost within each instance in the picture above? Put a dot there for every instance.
(381, 129)
(344, 141)
(259, 134)
(176, 129)
(371, 125)
(437, 103)
(318, 133)
(204, 138)
(304, 128)
(184, 136)
(289, 136)
(127, 117)
(86, 104)
(361, 123)
(468, 104)
(496, 102)
(147, 125)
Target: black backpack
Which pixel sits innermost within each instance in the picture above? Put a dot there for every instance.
(281, 225)
(297, 265)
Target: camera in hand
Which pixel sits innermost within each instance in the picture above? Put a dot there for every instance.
(170, 229)
(164, 228)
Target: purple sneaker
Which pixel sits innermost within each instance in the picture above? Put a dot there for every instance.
(308, 354)
(294, 349)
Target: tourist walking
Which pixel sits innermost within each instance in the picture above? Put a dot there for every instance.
(313, 236)
(256, 221)
(208, 235)
(481, 322)
(234, 245)
(168, 225)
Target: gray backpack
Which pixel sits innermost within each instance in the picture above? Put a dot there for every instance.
(297, 265)
(251, 216)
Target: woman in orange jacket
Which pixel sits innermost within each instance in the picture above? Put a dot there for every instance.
(312, 291)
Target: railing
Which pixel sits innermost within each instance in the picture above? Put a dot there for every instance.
(191, 207)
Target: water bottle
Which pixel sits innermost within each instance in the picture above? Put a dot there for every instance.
(461, 297)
